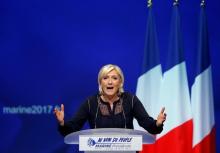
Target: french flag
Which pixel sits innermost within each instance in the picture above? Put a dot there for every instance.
(202, 94)
(149, 82)
(148, 85)
(176, 136)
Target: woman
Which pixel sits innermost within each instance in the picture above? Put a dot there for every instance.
(111, 108)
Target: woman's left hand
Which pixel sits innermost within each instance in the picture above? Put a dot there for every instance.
(161, 117)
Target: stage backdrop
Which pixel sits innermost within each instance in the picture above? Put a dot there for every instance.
(51, 52)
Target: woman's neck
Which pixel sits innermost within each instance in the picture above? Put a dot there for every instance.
(110, 99)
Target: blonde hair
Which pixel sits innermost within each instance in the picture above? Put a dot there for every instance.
(105, 70)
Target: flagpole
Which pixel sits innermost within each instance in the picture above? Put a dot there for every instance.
(202, 3)
(149, 3)
(176, 2)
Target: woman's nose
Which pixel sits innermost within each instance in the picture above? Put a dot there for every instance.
(110, 81)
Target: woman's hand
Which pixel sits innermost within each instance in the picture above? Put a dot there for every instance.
(60, 114)
(161, 117)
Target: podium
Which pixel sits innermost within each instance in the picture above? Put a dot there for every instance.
(114, 139)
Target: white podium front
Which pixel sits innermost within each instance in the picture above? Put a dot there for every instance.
(109, 140)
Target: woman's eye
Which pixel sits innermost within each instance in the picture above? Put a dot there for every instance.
(115, 78)
(104, 78)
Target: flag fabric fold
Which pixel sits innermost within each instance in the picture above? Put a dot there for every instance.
(202, 94)
(148, 85)
(174, 96)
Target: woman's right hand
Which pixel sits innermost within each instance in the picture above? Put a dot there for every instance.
(60, 114)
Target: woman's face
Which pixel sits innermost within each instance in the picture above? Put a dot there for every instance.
(110, 83)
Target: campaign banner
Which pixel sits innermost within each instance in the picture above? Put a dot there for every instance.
(110, 143)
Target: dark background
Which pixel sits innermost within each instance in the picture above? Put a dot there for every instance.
(51, 52)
